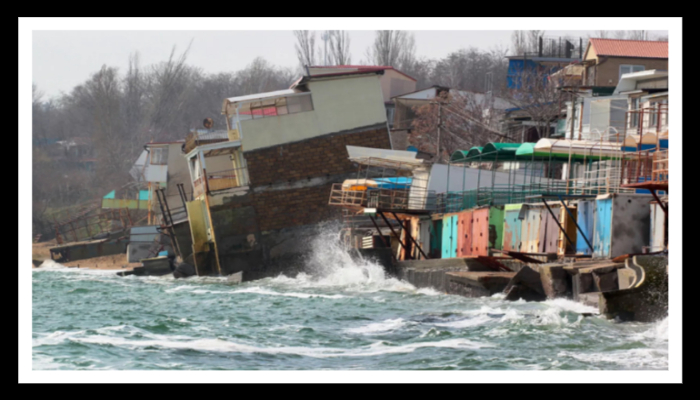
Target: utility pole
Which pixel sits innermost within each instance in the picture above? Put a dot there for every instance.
(573, 115)
(438, 128)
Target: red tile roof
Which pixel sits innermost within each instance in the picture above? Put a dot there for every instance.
(630, 48)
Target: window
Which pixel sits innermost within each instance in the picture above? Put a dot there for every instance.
(634, 117)
(277, 106)
(626, 69)
(159, 156)
(299, 104)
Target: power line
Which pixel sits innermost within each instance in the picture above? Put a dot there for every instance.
(478, 123)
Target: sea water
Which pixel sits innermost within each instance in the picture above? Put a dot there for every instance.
(339, 314)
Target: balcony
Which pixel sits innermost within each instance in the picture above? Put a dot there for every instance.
(646, 170)
(405, 199)
(220, 180)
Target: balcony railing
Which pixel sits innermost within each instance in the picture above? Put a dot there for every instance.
(388, 199)
(648, 120)
(645, 168)
(220, 180)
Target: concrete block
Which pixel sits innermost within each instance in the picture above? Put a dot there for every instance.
(625, 278)
(555, 281)
(477, 284)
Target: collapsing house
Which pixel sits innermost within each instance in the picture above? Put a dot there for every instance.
(259, 193)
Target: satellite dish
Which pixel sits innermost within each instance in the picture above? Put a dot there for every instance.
(208, 123)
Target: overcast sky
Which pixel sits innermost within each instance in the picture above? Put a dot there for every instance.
(63, 59)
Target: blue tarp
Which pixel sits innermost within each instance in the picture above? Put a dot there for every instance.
(110, 195)
(394, 183)
(143, 194)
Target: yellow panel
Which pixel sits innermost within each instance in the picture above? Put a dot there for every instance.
(195, 210)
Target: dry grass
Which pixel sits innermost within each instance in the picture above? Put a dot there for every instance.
(117, 261)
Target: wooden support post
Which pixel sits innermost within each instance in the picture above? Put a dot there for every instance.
(413, 240)
(394, 232)
(557, 221)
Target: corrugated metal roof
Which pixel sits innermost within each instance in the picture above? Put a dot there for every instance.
(363, 68)
(260, 96)
(630, 48)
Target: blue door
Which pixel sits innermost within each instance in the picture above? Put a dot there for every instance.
(603, 225)
(449, 237)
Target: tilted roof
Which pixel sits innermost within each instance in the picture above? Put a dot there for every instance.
(629, 48)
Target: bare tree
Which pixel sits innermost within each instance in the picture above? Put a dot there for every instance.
(340, 47)
(661, 37)
(537, 97)
(305, 47)
(525, 41)
(170, 86)
(636, 35)
(465, 119)
(392, 48)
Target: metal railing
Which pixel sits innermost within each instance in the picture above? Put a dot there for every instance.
(645, 167)
(493, 196)
(388, 199)
(88, 227)
(652, 119)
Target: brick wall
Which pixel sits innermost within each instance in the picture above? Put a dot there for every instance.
(311, 158)
(315, 157)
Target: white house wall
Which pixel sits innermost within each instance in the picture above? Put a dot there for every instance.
(339, 104)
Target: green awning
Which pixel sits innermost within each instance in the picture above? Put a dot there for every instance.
(490, 152)
(461, 155)
(526, 150)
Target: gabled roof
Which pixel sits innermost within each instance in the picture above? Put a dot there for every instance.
(629, 48)
(307, 78)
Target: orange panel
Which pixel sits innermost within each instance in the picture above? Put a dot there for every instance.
(480, 232)
(464, 232)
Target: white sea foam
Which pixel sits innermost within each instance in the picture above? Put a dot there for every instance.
(330, 265)
(572, 306)
(466, 323)
(219, 345)
(259, 290)
(646, 358)
(428, 291)
(51, 265)
(379, 327)
(656, 333)
(180, 288)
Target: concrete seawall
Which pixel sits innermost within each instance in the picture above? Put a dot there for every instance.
(636, 289)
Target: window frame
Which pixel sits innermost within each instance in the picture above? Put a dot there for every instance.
(631, 69)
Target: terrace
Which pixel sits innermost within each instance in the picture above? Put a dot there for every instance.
(216, 167)
(385, 184)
